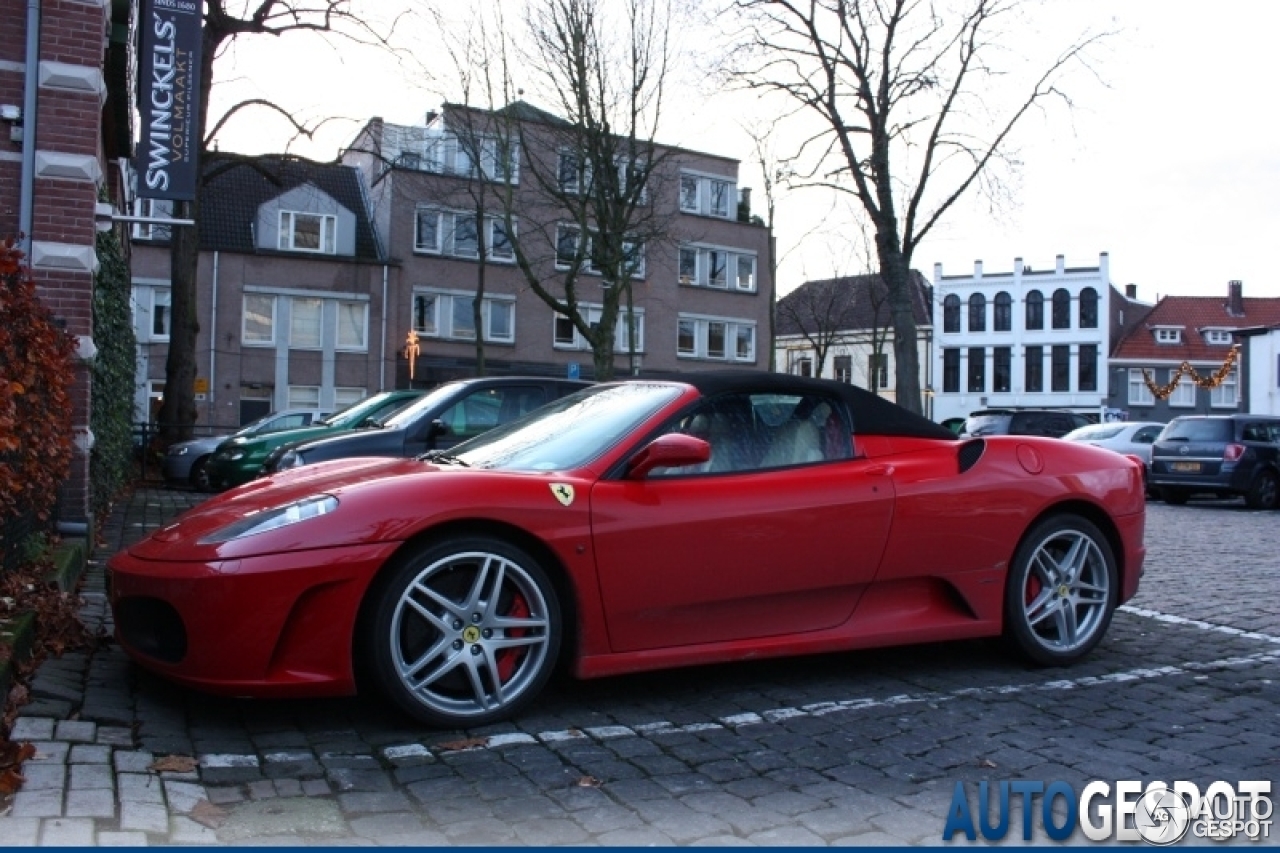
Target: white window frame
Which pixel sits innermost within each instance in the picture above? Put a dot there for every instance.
(343, 397)
(1217, 337)
(245, 338)
(1183, 395)
(732, 330)
(443, 312)
(446, 231)
(1139, 393)
(704, 264)
(303, 397)
(574, 341)
(702, 200)
(156, 208)
(361, 328)
(445, 153)
(1168, 336)
(298, 334)
(161, 297)
(1226, 395)
(588, 265)
(327, 226)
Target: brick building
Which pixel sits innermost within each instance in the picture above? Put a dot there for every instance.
(65, 116)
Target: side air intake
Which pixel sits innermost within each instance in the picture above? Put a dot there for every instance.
(970, 453)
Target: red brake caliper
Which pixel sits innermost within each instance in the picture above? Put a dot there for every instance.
(508, 658)
(1033, 588)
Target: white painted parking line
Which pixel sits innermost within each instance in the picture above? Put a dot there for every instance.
(1196, 623)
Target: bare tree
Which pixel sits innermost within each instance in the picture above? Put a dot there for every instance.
(221, 27)
(821, 312)
(908, 122)
(595, 167)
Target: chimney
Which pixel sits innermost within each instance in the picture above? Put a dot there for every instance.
(1061, 264)
(977, 269)
(1131, 291)
(1235, 298)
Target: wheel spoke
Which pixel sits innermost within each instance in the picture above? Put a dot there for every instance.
(476, 677)
(1046, 568)
(524, 623)
(453, 608)
(448, 665)
(1044, 605)
(1075, 559)
(1068, 627)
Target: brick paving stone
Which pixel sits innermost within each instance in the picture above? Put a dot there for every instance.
(139, 788)
(37, 803)
(110, 838)
(93, 802)
(32, 728)
(51, 752)
(184, 830)
(66, 832)
(183, 796)
(85, 776)
(83, 753)
(43, 777)
(21, 831)
(144, 817)
(75, 731)
(115, 736)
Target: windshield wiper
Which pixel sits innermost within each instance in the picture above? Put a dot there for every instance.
(442, 456)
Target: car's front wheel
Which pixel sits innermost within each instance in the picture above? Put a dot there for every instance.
(1263, 492)
(463, 632)
(200, 475)
(1061, 590)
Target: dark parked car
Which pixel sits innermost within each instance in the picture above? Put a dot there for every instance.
(1054, 423)
(446, 416)
(1222, 455)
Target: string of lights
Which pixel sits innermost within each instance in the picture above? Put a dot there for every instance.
(1210, 382)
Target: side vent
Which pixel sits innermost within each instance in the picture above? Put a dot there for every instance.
(970, 453)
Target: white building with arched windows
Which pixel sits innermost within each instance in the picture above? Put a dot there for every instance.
(1026, 338)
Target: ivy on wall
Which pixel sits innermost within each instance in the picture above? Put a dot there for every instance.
(36, 361)
(112, 417)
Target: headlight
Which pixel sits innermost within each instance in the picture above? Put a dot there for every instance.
(290, 459)
(270, 519)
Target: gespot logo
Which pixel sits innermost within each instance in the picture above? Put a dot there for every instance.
(1157, 813)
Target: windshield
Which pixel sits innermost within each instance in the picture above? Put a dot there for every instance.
(570, 432)
(985, 424)
(406, 415)
(1196, 429)
(356, 412)
(1101, 432)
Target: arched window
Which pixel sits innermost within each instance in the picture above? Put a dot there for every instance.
(1035, 310)
(1003, 320)
(1088, 308)
(951, 313)
(977, 313)
(1061, 309)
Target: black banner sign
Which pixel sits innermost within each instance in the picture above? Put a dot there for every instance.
(168, 99)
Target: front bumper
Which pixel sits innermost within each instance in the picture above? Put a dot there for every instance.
(269, 626)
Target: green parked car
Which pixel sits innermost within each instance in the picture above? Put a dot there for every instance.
(239, 460)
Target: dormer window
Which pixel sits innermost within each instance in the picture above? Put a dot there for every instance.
(1168, 336)
(1217, 337)
(308, 232)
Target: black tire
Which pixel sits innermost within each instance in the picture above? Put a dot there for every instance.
(199, 476)
(1061, 590)
(1263, 491)
(1177, 497)
(462, 632)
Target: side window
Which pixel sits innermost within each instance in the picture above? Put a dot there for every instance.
(751, 432)
(1257, 432)
(1146, 435)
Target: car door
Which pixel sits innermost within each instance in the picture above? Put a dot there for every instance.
(736, 548)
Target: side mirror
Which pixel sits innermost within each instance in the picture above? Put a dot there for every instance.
(437, 428)
(673, 450)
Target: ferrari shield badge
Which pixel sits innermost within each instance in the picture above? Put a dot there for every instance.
(563, 493)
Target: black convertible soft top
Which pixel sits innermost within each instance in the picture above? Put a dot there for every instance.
(872, 415)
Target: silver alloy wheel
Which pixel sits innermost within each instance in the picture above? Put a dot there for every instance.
(470, 635)
(1066, 591)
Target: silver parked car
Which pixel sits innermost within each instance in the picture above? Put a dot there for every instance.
(185, 461)
(1129, 437)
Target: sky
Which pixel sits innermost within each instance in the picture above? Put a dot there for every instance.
(1167, 162)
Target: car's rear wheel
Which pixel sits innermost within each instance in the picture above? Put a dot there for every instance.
(1263, 491)
(464, 632)
(1177, 497)
(200, 475)
(1061, 590)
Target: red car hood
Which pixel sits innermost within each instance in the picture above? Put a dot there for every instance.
(365, 488)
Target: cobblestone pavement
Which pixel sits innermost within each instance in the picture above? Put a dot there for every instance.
(858, 748)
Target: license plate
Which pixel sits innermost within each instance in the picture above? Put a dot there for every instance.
(1185, 467)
